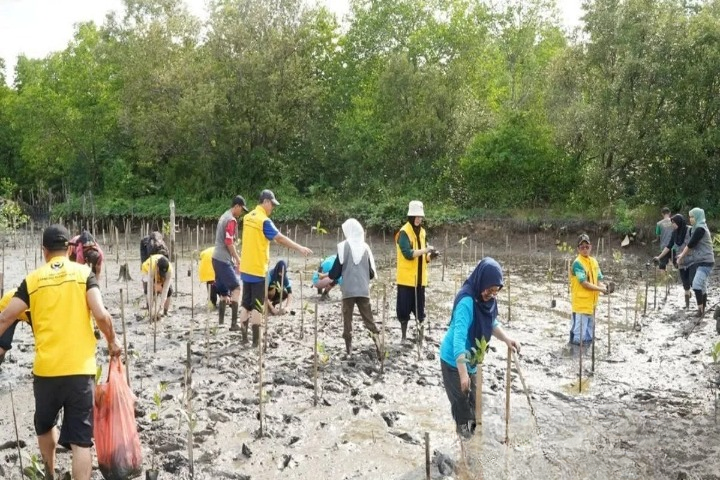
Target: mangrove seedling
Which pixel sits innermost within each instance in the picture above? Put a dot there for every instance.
(475, 358)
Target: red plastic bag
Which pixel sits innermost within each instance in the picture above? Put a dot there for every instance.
(117, 442)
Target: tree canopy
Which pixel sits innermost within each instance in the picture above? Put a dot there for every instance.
(476, 104)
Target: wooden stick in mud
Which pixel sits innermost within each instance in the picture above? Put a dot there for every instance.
(281, 288)
(608, 322)
(302, 304)
(17, 435)
(261, 370)
(382, 332)
(266, 315)
(189, 411)
(173, 253)
(507, 395)
(524, 385)
(445, 255)
(592, 346)
(507, 284)
(478, 397)
(2, 277)
(122, 318)
(582, 328)
(418, 322)
(315, 358)
(427, 456)
(655, 270)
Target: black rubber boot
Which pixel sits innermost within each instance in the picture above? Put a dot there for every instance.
(403, 329)
(221, 312)
(255, 335)
(244, 332)
(687, 300)
(234, 327)
(348, 346)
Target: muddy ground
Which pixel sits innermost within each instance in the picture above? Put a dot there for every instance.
(648, 411)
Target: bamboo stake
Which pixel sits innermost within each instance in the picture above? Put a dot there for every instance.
(478, 397)
(188, 396)
(302, 307)
(127, 357)
(509, 297)
(2, 278)
(507, 396)
(261, 372)
(592, 346)
(444, 260)
(427, 455)
(173, 253)
(382, 332)
(17, 435)
(418, 322)
(655, 270)
(524, 385)
(582, 328)
(608, 321)
(315, 358)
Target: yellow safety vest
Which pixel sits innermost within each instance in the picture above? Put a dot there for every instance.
(407, 270)
(583, 299)
(63, 330)
(206, 272)
(151, 264)
(255, 247)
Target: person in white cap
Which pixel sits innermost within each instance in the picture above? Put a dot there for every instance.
(413, 255)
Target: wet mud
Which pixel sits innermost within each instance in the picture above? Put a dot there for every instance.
(647, 408)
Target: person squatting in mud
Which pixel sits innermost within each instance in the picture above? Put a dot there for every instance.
(698, 257)
(61, 295)
(677, 243)
(206, 275)
(474, 317)
(355, 263)
(157, 273)
(413, 255)
(585, 287)
(276, 296)
(258, 232)
(321, 273)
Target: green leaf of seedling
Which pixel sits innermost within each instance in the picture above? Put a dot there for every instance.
(715, 352)
(98, 374)
(258, 305)
(462, 240)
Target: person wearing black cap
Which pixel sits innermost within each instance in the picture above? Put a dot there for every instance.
(585, 288)
(226, 261)
(157, 276)
(61, 295)
(258, 232)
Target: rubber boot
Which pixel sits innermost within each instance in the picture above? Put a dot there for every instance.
(255, 335)
(348, 346)
(221, 312)
(403, 328)
(244, 332)
(234, 327)
(687, 300)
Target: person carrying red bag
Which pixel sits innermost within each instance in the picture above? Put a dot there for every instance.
(60, 296)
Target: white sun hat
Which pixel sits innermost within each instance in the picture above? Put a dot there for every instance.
(415, 209)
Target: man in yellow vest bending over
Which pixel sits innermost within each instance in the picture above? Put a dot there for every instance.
(258, 232)
(60, 296)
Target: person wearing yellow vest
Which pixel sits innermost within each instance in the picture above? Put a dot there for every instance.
(7, 337)
(61, 295)
(585, 288)
(258, 232)
(413, 255)
(157, 273)
(206, 274)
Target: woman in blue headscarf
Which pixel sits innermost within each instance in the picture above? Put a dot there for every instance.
(275, 294)
(474, 316)
(698, 257)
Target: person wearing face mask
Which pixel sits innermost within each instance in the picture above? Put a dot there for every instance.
(585, 289)
(698, 257)
(678, 241)
(413, 256)
(474, 317)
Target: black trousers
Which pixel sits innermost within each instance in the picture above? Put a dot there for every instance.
(462, 404)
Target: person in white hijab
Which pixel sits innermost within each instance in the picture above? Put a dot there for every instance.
(356, 265)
